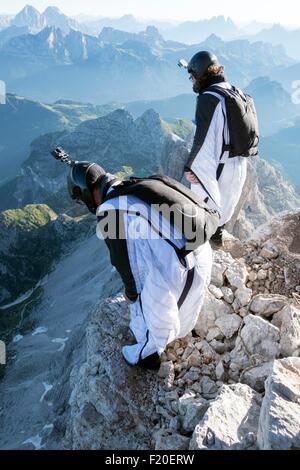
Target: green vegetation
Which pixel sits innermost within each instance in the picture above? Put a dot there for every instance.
(29, 218)
(30, 245)
(126, 173)
(181, 127)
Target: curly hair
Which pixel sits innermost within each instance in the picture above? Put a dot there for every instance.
(205, 80)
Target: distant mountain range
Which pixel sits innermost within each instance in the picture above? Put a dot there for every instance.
(120, 67)
(114, 141)
(36, 21)
(277, 34)
(283, 149)
(193, 32)
(29, 119)
(274, 105)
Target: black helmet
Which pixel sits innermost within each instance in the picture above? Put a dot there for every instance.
(82, 177)
(200, 62)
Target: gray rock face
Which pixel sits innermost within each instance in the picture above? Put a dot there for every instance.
(257, 376)
(112, 141)
(267, 304)
(222, 261)
(266, 193)
(212, 309)
(171, 441)
(260, 339)
(229, 324)
(279, 422)
(243, 296)
(108, 396)
(224, 426)
(193, 410)
(237, 275)
(290, 331)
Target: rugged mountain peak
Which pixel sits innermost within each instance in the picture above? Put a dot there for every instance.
(243, 356)
(55, 17)
(31, 17)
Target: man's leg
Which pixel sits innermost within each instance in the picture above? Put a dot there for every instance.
(231, 185)
(144, 352)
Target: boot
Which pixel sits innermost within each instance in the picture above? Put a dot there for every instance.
(217, 239)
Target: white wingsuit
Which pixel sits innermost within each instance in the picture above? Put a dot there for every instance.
(224, 194)
(160, 279)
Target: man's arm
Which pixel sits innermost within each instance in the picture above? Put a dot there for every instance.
(120, 260)
(206, 106)
(117, 245)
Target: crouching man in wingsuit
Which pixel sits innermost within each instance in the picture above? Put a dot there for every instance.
(165, 269)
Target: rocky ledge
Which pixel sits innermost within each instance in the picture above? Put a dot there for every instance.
(233, 383)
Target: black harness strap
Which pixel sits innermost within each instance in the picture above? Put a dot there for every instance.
(187, 287)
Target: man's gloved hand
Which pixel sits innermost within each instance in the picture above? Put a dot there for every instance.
(191, 177)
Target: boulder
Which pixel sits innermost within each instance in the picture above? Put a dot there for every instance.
(216, 291)
(290, 331)
(212, 309)
(260, 338)
(237, 274)
(166, 369)
(267, 304)
(221, 261)
(229, 324)
(257, 376)
(220, 371)
(279, 422)
(269, 251)
(230, 422)
(192, 411)
(243, 295)
(166, 440)
(214, 333)
(227, 295)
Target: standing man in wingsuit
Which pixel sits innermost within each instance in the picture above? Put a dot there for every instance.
(225, 133)
(163, 256)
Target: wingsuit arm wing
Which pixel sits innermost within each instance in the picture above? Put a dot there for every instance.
(206, 106)
(119, 257)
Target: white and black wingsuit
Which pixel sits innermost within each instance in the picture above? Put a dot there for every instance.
(221, 178)
(168, 295)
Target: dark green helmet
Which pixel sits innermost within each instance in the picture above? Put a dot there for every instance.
(82, 177)
(200, 62)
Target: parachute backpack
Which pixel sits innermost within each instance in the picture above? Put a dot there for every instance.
(189, 214)
(241, 119)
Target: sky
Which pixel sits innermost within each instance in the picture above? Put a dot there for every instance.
(276, 11)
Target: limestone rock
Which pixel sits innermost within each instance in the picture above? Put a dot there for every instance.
(279, 423)
(216, 291)
(243, 295)
(229, 324)
(267, 304)
(290, 331)
(237, 274)
(171, 441)
(224, 426)
(261, 339)
(257, 376)
(269, 251)
(214, 333)
(221, 261)
(118, 398)
(211, 310)
(220, 372)
(192, 411)
(227, 295)
(166, 369)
